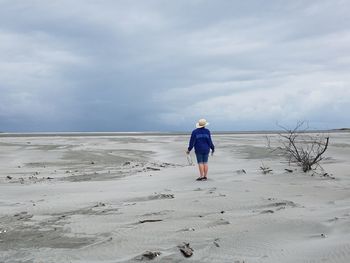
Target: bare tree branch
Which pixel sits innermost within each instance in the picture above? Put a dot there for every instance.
(302, 148)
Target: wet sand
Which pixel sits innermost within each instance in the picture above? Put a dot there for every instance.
(111, 198)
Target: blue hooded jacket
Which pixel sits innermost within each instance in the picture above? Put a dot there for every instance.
(201, 141)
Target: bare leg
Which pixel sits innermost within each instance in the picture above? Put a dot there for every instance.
(205, 169)
(201, 169)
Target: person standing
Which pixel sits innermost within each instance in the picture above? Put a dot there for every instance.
(202, 143)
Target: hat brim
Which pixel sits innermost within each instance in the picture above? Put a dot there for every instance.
(200, 126)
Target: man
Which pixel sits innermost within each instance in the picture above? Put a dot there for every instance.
(202, 143)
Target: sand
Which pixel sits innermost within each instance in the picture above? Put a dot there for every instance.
(112, 198)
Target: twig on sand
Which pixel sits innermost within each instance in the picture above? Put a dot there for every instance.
(150, 221)
(264, 169)
(150, 255)
(241, 171)
(149, 168)
(216, 243)
(323, 174)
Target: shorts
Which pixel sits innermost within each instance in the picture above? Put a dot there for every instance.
(202, 157)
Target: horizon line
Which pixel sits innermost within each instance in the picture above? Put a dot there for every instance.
(140, 133)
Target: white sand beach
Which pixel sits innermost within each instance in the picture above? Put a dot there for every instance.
(112, 198)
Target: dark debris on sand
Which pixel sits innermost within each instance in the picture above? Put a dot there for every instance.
(149, 255)
(186, 250)
(150, 221)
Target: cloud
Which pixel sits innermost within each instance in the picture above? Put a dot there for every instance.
(144, 65)
(314, 97)
(31, 84)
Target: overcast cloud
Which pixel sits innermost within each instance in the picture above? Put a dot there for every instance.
(162, 65)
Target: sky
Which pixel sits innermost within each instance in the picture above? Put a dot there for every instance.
(160, 65)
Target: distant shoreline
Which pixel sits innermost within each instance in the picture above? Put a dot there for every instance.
(102, 134)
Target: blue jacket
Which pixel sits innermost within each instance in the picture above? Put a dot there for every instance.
(201, 141)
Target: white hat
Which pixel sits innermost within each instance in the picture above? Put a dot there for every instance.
(202, 123)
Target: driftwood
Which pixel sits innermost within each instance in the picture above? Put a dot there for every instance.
(150, 220)
(302, 147)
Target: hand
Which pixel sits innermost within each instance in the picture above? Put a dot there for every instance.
(187, 152)
(212, 153)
